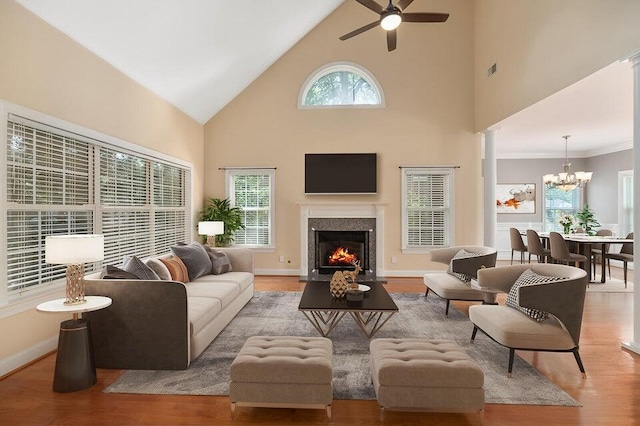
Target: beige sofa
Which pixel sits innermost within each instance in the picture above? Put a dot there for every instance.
(164, 325)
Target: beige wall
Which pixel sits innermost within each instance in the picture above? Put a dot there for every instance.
(543, 46)
(428, 120)
(42, 69)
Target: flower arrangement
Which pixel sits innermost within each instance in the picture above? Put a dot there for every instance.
(567, 221)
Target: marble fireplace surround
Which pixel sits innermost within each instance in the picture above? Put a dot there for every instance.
(352, 216)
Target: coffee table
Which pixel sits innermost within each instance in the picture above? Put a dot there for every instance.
(325, 312)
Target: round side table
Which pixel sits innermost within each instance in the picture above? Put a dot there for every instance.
(75, 365)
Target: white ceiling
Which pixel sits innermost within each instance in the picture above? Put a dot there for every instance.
(199, 54)
(196, 54)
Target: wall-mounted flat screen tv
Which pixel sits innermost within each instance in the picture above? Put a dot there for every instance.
(340, 174)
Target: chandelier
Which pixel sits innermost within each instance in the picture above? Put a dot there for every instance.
(566, 180)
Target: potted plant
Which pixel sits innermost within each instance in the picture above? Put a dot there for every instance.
(219, 209)
(587, 220)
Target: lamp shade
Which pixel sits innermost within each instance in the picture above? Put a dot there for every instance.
(74, 249)
(211, 228)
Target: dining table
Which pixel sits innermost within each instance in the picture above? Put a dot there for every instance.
(584, 243)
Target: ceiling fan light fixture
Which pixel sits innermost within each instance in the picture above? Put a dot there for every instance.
(391, 20)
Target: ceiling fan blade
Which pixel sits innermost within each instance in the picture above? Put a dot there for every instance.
(391, 40)
(425, 17)
(360, 30)
(372, 5)
(402, 4)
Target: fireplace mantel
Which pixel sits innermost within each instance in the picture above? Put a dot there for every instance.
(341, 210)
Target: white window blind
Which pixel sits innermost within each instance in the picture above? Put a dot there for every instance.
(252, 191)
(61, 184)
(427, 209)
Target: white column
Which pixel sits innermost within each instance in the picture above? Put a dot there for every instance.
(489, 171)
(635, 64)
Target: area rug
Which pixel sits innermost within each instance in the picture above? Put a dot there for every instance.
(276, 313)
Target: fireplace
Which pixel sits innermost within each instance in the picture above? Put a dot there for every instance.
(338, 250)
(334, 242)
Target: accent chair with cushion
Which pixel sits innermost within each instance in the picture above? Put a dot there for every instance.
(455, 283)
(543, 310)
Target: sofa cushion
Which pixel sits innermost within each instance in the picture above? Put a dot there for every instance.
(462, 254)
(226, 292)
(195, 259)
(201, 311)
(528, 277)
(159, 268)
(113, 272)
(243, 279)
(176, 268)
(515, 329)
(138, 268)
(449, 287)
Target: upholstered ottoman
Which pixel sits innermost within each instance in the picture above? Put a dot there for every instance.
(283, 372)
(429, 375)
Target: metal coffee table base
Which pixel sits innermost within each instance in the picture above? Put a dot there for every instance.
(368, 321)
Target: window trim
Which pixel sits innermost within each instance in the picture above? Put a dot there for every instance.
(449, 171)
(28, 298)
(271, 171)
(352, 67)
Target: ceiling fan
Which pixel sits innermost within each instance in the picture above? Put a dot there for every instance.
(391, 17)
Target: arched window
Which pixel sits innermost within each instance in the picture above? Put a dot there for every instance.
(340, 85)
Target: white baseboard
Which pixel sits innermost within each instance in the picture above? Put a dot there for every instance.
(20, 359)
(291, 272)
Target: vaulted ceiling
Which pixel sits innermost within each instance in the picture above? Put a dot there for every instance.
(199, 54)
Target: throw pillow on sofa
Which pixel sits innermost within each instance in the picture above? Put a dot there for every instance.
(115, 273)
(138, 268)
(159, 268)
(177, 269)
(219, 261)
(195, 258)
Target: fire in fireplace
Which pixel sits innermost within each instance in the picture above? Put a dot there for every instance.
(336, 250)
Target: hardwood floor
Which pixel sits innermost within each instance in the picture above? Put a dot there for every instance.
(610, 395)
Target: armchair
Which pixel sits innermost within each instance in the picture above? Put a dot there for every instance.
(563, 300)
(448, 286)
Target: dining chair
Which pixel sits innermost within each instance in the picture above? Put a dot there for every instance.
(536, 248)
(560, 251)
(517, 244)
(596, 253)
(625, 255)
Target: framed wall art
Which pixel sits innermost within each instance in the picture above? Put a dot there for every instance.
(516, 198)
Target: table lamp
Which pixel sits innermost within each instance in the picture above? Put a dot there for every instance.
(74, 251)
(211, 229)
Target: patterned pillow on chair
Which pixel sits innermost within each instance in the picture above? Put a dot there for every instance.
(462, 254)
(529, 277)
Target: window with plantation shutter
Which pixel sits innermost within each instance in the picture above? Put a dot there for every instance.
(251, 190)
(61, 182)
(427, 215)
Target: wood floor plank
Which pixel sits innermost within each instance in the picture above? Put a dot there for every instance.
(609, 396)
